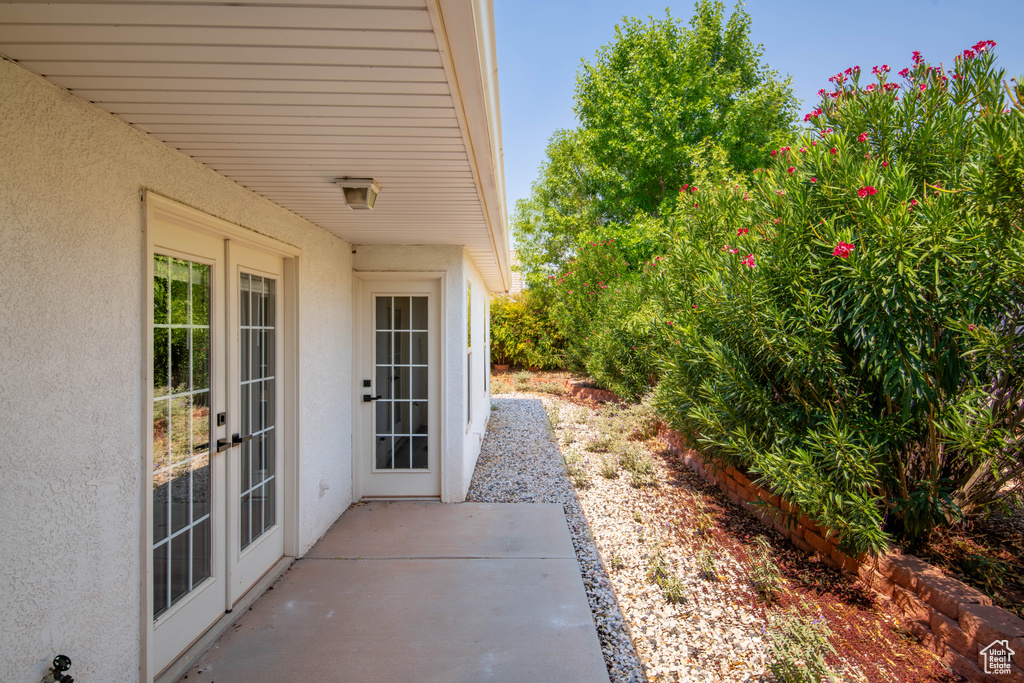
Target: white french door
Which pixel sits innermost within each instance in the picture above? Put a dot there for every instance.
(254, 413)
(399, 392)
(215, 507)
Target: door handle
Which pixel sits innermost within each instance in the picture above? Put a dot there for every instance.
(367, 398)
(236, 440)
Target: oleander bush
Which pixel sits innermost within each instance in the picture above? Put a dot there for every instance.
(849, 326)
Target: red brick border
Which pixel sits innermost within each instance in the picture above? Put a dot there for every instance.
(952, 619)
(577, 390)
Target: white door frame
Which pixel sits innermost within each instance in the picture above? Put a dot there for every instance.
(162, 211)
(361, 428)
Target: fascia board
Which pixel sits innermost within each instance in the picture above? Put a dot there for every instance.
(465, 37)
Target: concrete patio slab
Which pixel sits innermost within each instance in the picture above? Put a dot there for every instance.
(467, 592)
(395, 530)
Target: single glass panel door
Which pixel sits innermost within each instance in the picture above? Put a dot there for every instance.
(182, 534)
(400, 364)
(257, 387)
(399, 396)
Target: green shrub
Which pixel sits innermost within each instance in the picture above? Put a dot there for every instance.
(627, 339)
(798, 648)
(522, 332)
(764, 574)
(848, 328)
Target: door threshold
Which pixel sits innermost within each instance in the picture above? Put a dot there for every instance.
(372, 499)
(176, 669)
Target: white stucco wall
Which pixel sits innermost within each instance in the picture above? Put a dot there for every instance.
(461, 444)
(71, 291)
(481, 413)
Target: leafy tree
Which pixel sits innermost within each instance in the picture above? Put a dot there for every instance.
(663, 105)
(660, 92)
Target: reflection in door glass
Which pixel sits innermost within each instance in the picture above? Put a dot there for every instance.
(400, 370)
(258, 394)
(181, 549)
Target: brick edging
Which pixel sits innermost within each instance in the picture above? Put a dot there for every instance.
(577, 390)
(954, 620)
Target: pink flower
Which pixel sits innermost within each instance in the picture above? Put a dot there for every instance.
(984, 45)
(972, 327)
(870, 88)
(843, 250)
(774, 152)
(885, 164)
(816, 112)
(803, 150)
(969, 54)
(813, 179)
(790, 170)
(917, 57)
(905, 73)
(749, 261)
(742, 231)
(913, 202)
(832, 151)
(866, 191)
(862, 137)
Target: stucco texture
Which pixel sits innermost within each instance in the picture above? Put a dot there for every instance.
(461, 442)
(71, 433)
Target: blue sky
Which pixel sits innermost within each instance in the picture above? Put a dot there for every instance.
(540, 45)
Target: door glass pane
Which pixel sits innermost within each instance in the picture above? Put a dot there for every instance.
(400, 372)
(419, 313)
(180, 478)
(403, 314)
(258, 403)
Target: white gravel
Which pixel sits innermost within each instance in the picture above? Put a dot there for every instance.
(520, 462)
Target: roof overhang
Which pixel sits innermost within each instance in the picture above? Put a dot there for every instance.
(284, 97)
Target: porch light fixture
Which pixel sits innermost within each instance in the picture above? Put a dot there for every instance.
(360, 193)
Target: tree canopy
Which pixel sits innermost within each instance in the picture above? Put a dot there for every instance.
(663, 105)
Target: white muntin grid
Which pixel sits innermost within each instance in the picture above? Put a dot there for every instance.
(258, 394)
(401, 371)
(182, 541)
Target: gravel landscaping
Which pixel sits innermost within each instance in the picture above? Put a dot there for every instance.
(667, 563)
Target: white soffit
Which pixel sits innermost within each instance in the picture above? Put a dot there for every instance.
(284, 96)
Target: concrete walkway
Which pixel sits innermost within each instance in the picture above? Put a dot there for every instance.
(412, 591)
